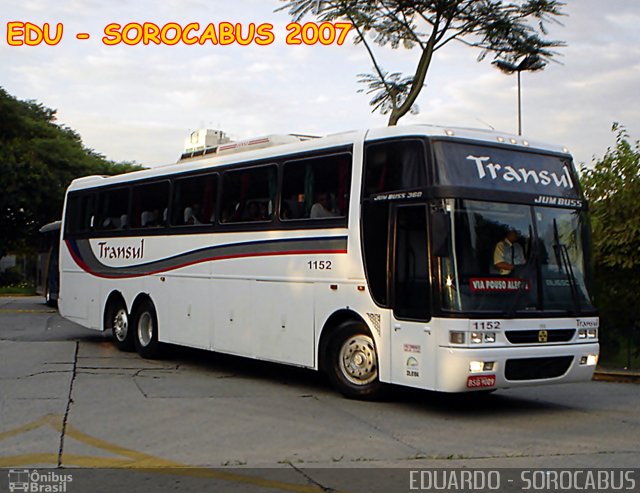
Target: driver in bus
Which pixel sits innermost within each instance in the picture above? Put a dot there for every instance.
(508, 254)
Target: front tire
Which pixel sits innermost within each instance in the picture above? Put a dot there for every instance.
(352, 362)
(146, 331)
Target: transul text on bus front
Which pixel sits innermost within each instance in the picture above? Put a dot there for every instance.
(508, 173)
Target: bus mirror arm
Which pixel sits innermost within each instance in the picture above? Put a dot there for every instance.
(441, 233)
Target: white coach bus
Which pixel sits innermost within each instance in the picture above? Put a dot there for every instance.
(444, 259)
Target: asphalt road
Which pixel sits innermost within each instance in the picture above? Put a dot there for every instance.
(69, 399)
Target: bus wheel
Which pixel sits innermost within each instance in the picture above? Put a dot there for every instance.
(118, 318)
(146, 331)
(353, 362)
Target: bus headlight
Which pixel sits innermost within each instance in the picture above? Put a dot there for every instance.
(456, 337)
(588, 334)
(480, 337)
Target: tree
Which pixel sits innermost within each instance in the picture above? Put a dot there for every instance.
(612, 186)
(510, 32)
(38, 160)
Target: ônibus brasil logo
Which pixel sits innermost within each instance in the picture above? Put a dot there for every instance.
(33, 481)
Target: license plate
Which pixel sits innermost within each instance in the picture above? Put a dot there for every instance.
(480, 381)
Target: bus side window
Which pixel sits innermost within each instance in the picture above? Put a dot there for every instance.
(194, 200)
(150, 205)
(394, 165)
(113, 207)
(81, 210)
(316, 188)
(248, 195)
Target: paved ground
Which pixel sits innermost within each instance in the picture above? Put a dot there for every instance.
(70, 399)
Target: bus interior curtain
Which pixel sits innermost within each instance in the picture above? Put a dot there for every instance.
(178, 205)
(412, 171)
(343, 181)
(273, 186)
(383, 177)
(245, 183)
(208, 200)
(136, 211)
(309, 192)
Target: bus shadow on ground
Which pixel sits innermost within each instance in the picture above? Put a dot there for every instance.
(314, 383)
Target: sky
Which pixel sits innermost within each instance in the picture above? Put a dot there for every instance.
(139, 103)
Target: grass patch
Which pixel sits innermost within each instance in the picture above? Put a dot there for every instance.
(21, 289)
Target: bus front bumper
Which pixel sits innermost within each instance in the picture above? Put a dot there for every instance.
(487, 368)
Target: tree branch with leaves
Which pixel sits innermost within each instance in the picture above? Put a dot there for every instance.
(509, 31)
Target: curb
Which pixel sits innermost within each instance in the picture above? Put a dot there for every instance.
(619, 376)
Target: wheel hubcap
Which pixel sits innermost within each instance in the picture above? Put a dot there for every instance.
(145, 329)
(358, 361)
(121, 325)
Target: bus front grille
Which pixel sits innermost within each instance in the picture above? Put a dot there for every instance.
(537, 368)
(533, 336)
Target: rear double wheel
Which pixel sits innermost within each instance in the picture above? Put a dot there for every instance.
(117, 318)
(145, 325)
(352, 362)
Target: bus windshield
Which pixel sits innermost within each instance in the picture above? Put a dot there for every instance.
(513, 258)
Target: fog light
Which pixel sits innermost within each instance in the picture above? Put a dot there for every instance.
(582, 334)
(589, 360)
(476, 337)
(592, 333)
(456, 337)
(480, 366)
(489, 337)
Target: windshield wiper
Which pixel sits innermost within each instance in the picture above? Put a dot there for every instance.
(564, 261)
(524, 283)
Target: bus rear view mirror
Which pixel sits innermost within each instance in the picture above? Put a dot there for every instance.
(440, 233)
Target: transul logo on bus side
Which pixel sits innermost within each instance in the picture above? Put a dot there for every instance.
(509, 173)
(120, 251)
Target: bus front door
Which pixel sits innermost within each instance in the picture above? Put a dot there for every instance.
(412, 347)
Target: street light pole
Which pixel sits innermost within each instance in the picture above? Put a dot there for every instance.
(519, 104)
(530, 63)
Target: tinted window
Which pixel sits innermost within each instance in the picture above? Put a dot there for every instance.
(113, 207)
(375, 241)
(248, 195)
(395, 165)
(194, 200)
(150, 205)
(316, 188)
(411, 272)
(81, 211)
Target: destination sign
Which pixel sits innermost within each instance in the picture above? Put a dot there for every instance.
(495, 168)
